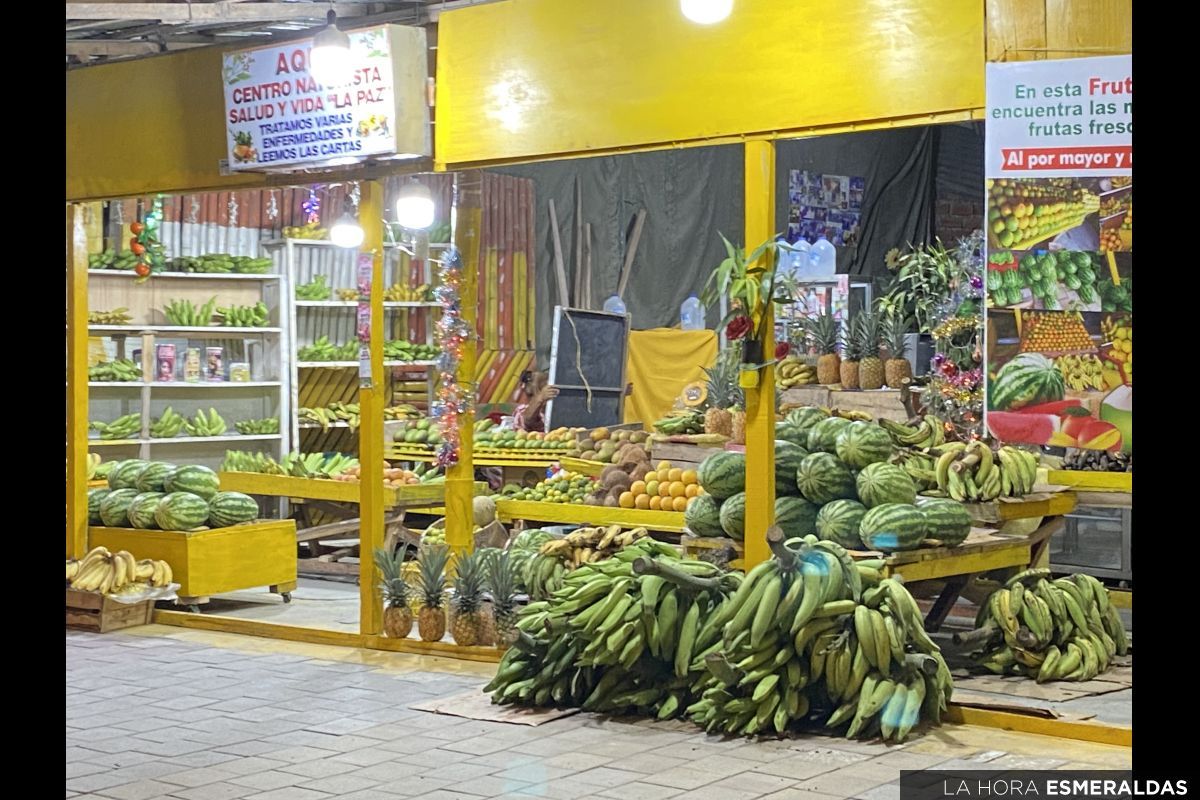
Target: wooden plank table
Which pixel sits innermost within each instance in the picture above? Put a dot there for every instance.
(575, 514)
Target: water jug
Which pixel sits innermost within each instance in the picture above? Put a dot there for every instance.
(824, 257)
(691, 314)
(613, 305)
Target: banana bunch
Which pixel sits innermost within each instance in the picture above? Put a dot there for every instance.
(929, 433)
(257, 426)
(791, 371)
(324, 350)
(1065, 629)
(252, 266)
(316, 465)
(254, 316)
(205, 425)
(680, 421)
(347, 295)
(93, 464)
(168, 425)
(309, 230)
(335, 412)
(401, 350)
(120, 428)
(316, 289)
(241, 461)
(185, 313)
(118, 316)
(404, 411)
(586, 545)
(123, 369)
(970, 473)
(115, 573)
(110, 259)
(1081, 372)
(401, 293)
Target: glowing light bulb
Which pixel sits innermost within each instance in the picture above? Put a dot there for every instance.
(706, 12)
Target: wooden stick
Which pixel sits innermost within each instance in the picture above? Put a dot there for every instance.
(631, 251)
(559, 267)
(578, 298)
(587, 265)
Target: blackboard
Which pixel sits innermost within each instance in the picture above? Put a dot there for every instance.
(587, 352)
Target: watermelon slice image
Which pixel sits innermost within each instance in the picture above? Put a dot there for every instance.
(1018, 426)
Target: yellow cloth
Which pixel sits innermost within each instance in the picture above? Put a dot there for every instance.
(660, 363)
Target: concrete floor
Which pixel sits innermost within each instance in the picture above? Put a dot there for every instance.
(163, 713)
(322, 604)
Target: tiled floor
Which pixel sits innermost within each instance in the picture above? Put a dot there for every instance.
(188, 715)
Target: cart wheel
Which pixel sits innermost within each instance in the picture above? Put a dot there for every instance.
(194, 608)
(287, 596)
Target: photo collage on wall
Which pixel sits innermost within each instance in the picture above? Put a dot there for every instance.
(824, 205)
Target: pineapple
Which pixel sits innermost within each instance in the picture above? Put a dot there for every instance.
(397, 616)
(502, 585)
(723, 393)
(850, 356)
(896, 369)
(468, 627)
(431, 567)
(738, 426)
(870, 369)
(824, 333)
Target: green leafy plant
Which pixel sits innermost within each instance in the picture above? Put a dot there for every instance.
(925, 276)
(749, 282)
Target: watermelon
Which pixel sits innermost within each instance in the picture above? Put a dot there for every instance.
(723, 474)
(114, 509)
(787, 460)
(95, 498)
(124, 474)
(196, 480)
(885, 483)
(823, 435)
(181, 511)
(946, 520)
(230, 508)
(806, 416)
(839, 522)
(791, 432)
(141, 510)
(822, 478)
(1027, 380)
(703, 516)
(892, 527)
(150, 479)
(733, 516)
(863, 443)
(796, 516)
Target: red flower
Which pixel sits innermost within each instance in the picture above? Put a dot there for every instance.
(738, 327)
(782, 349)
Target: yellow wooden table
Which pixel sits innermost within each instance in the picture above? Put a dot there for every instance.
(214, 560)
(1091, 481)
(575, 514)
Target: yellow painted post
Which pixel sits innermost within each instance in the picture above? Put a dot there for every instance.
(77, 384)
(760, 400)
(370, 433)
(460, 479)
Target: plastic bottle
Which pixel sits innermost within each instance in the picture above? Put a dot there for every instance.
(691, 314)
(613, 305)
(824, 257)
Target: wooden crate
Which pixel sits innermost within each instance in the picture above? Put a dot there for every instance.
(92, 611)
(879, 403)
(681, 455)
(807, 395)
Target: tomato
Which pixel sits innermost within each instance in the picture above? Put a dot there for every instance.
(136, 248)
(142, 270)
(136, 228)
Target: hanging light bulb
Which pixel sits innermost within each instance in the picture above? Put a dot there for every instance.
(706, 12)
(329, 61)
(346, 232)
(414, 206)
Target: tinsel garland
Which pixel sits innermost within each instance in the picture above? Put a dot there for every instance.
(452, 332)
(145, 243)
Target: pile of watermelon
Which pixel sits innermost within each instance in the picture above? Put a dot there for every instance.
(832, 478)
(156, 495)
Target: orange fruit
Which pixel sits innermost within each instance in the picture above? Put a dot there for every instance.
(652, 487)
(642, 501)
(638, 487)
(663, 466)
(650, 476)
(675, 474)
(690, 490)
(679, 503)
(655, 503)
(689, 476)
(676, 489)
(664, 489)
(626, 500)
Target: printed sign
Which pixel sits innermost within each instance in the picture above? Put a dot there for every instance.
(1059, 165)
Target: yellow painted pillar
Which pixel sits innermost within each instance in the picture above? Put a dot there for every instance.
(760, 400)
(460, 479)
(77, 382)
(371, 401)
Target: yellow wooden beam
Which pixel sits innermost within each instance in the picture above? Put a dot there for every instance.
(1101, 733)
(760, 399)
(77, 382)
(569, 513)
(371, 402)
(1121, 598)
(460, 478)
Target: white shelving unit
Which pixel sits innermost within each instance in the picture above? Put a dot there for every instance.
(267, 350)
(301, 260)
